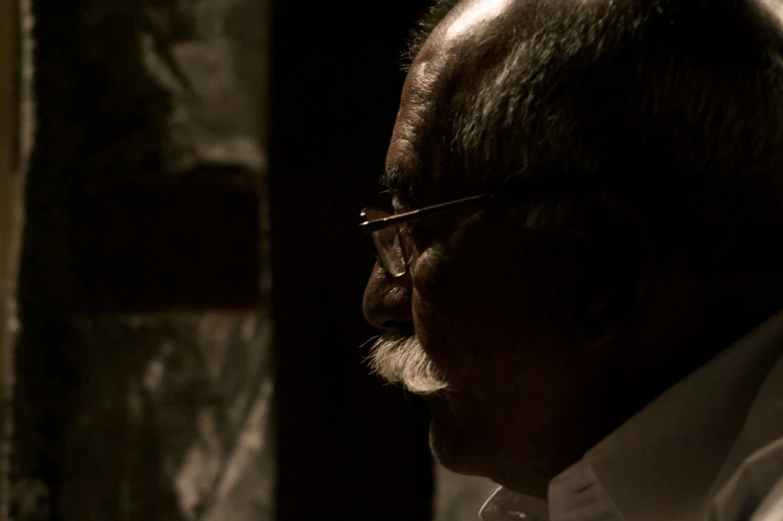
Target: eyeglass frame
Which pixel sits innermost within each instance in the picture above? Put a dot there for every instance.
(370, 226)
(559, 184)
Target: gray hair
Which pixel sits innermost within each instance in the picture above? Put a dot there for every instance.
(679, 101)
(400, 359)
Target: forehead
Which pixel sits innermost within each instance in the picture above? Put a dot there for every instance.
(445, 64)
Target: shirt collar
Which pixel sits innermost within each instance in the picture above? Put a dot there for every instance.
(663, 463)
(506, 505)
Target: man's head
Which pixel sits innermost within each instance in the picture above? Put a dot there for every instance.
(546, 318)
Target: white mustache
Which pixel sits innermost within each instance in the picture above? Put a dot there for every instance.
(400, 359)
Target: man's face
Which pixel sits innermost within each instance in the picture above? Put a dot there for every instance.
(482, 297)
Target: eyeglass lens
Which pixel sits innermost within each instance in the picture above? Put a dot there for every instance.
(387, 245)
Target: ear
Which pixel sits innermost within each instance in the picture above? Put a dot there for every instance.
(612, 258)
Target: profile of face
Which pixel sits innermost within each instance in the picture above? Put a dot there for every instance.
(480, 323)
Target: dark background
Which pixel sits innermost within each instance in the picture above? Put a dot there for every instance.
(358, 449)
(131, 246)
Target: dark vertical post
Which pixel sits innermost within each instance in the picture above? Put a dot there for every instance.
(348, 448)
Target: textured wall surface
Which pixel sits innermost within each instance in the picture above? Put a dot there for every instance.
(142, 364)
(16, 131)
(8, 152)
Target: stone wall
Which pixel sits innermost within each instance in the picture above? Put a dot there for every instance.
(142, 364)
(16, 129)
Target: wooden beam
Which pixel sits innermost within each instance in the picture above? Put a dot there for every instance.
(348, 448)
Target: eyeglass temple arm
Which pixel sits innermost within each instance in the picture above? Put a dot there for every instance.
(377, 224)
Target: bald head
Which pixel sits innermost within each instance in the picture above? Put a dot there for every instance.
(672, 98)
(446, 71)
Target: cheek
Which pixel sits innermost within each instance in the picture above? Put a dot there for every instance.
(442, 309)
(486, 294)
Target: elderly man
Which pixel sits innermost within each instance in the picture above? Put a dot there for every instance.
(584, 266)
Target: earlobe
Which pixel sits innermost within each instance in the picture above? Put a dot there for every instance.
(613, 256)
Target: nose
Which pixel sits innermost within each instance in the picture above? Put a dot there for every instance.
(387, 302)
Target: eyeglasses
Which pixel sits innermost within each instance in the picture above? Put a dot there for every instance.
(392, 248)
(392, 243)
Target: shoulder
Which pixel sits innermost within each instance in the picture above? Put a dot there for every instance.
(755, 490)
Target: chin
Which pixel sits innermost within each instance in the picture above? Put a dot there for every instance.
(450, 452)
(451, 446)
(457, 449)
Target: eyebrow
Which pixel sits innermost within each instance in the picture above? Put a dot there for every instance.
(396, 181)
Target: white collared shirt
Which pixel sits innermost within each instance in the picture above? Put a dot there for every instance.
(708, 449)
